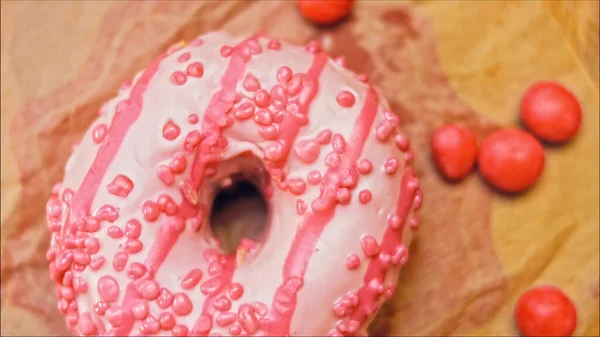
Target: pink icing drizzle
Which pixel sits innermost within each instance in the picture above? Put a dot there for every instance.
(313, 223)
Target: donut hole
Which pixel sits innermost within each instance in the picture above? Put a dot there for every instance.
(239, 211)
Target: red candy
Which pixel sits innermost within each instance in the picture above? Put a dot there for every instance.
(324, 12)
(551, 112)
(545, 311)
(511, 160)
(454, 150)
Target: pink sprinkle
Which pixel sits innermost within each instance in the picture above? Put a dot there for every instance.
(414, 223)
(171, 130)
(364, 196)
(133, 246)
(226, 51)
(120, 186)
(108, 288)
(350, 180)
(236, 291)
(67, 195)
(365, 166)
(92, 245)
(274, 44)
(99, 133)
(332, 159)
(184, 57)
(244, 111)
(215, 268)
(115, 232)
(197, 41)
(343, 195)
(263, 117)
(251, 83)
(86, 324)
(376, 286)
(81, 257)
(222, 303)
(284, 74)
(165, 299)
(297, 186)
(274, 151)
(178, 163)
(369, 246)
(392, 118)
(418, 200)
(409, 156)
(269, 132)
(150, 325)
(300, 206)
(400, 255)
(140, 309)
(178, 78)
(294, 85)
(166, 204)
(166, 320)
(133, 229)
(307, 150)
(191, 279)
(179, 330)
(195, 69)
(345, 99)
(120, 261)
(106, 213)
(339, 144)
(192, 140)
(226, 318)
(53, 208)
(235, 329)
(324, 137)
(262, 98)
(115, 316)
(253, 46)
(384, 258)
(278, 97)
(150, 290)
(352, 261)
(402, 141)
(394, 220)
(391, 165)
(182, 305)
(97, 262)
(313, 47)
(79, 285)
(136, 270)
(314, 177)
(150, 210)
(165, 175)
(193, 118)
(383, 130)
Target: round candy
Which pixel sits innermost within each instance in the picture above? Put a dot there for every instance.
(454, 150)
(324, 12)
(511, 160)
(135, 249)
(545, 311)
(551, 112)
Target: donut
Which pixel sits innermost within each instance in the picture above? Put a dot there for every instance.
(133, 251)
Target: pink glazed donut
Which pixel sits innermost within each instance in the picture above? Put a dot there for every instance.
(132, 249)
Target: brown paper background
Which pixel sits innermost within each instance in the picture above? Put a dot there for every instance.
(437, 61)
